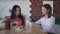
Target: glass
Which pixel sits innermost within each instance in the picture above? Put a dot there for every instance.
(28, 27)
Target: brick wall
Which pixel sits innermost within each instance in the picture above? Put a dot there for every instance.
(57, 9)
(36, 9)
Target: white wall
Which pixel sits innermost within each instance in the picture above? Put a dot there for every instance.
(24, 4)
(6, 5)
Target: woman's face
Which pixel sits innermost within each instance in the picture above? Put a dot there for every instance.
(44, 11)
(17, 11)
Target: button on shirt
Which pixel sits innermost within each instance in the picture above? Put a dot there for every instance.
(48, 24)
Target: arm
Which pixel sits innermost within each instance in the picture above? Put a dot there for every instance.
(52, 23)
(38, 22)
(49, 25)
(7, 22)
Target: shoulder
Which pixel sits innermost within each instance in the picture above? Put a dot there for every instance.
(23, 17)
(52, 17)
(42, 18)
(8, 17)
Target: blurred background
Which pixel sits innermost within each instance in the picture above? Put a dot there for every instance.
(31, 9)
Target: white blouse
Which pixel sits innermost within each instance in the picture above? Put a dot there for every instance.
(48, 24)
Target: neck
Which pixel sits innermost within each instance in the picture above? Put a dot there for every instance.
(16, 17)
(46, 14)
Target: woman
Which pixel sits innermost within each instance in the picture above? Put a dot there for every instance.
(47, 21)
(16, 16)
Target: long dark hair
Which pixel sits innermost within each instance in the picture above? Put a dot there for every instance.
(48, 7)
(13, 13)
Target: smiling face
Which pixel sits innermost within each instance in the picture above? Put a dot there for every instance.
(44, 11)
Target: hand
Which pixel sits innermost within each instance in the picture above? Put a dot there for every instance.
(2, 24)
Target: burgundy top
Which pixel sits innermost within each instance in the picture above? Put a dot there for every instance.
(18, 20)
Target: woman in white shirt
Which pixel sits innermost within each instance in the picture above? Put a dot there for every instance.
(47, 21)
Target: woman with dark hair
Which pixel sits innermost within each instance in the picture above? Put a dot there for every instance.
(16, 17)
(47, 21)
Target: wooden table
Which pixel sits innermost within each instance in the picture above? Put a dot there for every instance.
(34, 30)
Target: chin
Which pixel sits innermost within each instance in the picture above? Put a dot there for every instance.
(17, 14)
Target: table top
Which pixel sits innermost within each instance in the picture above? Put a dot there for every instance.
(34, 30)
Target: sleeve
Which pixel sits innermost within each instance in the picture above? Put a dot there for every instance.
(7, 18)
(51, 24)
(38, 21)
